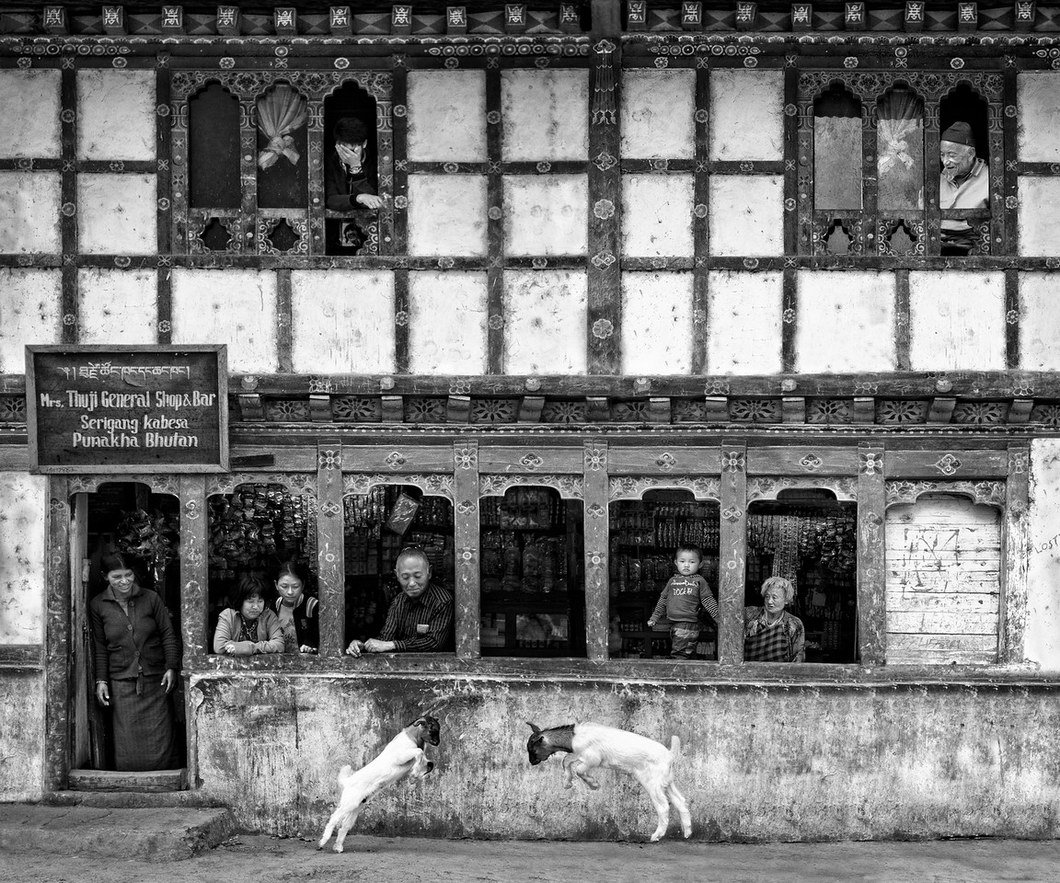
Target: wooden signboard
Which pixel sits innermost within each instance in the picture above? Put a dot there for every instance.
(127, 408)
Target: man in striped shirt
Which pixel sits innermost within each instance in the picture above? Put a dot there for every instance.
(420, 618)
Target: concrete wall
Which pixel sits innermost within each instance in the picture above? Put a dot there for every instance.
(758, 761)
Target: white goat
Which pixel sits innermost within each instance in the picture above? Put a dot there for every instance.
(592, 745)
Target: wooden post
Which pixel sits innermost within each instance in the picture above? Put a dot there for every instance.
(732, 552)
(596, 521)
(466, 542)
(57, 638)
(1015, 555)
(872, 600)
(330, 563)
(194, 574)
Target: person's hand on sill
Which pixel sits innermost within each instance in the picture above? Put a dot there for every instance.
(369, 200)
(305, 648)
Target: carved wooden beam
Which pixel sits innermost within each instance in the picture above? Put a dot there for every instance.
(530, 409)
(941, 409)
(393, 408)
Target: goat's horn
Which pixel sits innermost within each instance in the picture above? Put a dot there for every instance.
(533, 727)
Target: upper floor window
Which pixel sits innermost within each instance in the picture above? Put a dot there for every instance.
(899, 165)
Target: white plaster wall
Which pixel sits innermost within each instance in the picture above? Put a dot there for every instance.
(1039, 216)
(544, 115)
(1039, 321)
(656, 323)
(546, 215)
(23, 506)
(957, 321)
(342, 321)
(30, 305)
(845, 322)
(746, 215)
(544, 321)
(1042, 635)
(658, 114)
(1038, 130)
(234, 307)
(447, 323)
(116, 114)
(117, 214)
(30, 98)
(447, 215)
(746, 115)
(29, 212)
(744, 322)
(657, 215)
(117, 306)
(447, 116)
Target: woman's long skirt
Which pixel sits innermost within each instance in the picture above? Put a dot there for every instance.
(143, 726)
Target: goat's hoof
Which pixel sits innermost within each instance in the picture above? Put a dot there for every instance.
(688, 833)
(336, 848)
(655, 838)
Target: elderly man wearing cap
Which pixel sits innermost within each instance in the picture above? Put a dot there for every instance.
(964, 184)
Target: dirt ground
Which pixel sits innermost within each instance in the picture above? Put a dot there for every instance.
(262, 859)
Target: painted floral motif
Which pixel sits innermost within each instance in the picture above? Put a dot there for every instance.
(563, 412)
(465, 458)
(947, 464)
(595, 459)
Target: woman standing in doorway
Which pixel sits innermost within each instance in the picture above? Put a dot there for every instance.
(137, 657)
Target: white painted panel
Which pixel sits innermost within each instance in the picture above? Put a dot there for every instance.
(447, 116)
(29, 212)
(942, 547)
(447, 323)
(544, 321)
(746, 215)
(957, 321)
(1040, 321)
(657, 215)
(658, 114)
(1042, 633)
(117, 214)
(117, 306)
(746, 115)
(31, 98)
(544, 114)
(116, 114)
(447, 215)
(30, 308)
(235, 307)
(546, 215)
(1039, 216)
(744, 322)
(845, 322)
(1038, 131)
(342, 321)
(656, 323)
(23, 506)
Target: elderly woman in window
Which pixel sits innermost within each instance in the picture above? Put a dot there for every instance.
(770, 633)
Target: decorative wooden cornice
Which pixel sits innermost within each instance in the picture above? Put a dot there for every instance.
(431, 19)
(972, 402)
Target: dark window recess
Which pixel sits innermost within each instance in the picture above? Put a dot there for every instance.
(644, 536)
(533, 595)
(215, 235)
(283, 162)
(376, 526)
(213, 149)
(282, 236)
(809, 538)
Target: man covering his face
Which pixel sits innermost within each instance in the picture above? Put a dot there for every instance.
(963, 184)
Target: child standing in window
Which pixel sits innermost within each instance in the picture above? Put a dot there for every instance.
(685, 594)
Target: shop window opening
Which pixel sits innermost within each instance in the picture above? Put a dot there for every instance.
(810, 539)
(531, 572)
(645, 535)
(125, 519)
(378, 525)
(253, 533)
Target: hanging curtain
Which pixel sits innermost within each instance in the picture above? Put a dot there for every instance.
(280, 112)
(900, 146)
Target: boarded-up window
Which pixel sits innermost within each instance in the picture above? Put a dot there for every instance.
(943, 581)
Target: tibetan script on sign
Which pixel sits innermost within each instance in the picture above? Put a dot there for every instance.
(127, 409)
